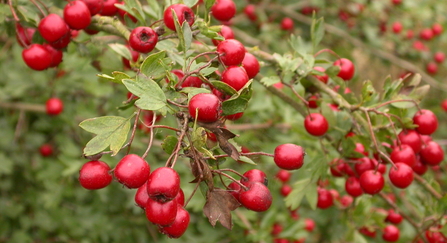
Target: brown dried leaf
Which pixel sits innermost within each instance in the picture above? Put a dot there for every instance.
(222, 136)
(218, 207)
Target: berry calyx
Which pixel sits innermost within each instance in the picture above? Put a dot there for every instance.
(257, 198)
(401, 175)
(183, 12)
(223, 10)
(289, 156)
(77, 15)
(206, 107)
(132, 171)
(143, 39)
(346, 68)
(95, 175)
(226, 32)
(37, 57)
(316, 124)
(163, 184)
(235, 76)
(426, 121)
(372, 182)
(231, 52)
(54, 106)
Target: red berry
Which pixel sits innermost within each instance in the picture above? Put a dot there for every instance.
(226, 32)
(439, 57)
(432, 153)
(426, 121)
(178, 228)
(419, 46)
(206, 107)
(235, 76)
(277, 229)
(426, 34)
(368, 232)
(401, 176)
(135, 55)
(223, 10)
(231, 52)
(285, 190)
(283, 175)
(256, 198)
(412, 139)
(287, 23)
(143, 39)
(397, 27)
(403, 154)
(313, 102)
(346, 201)
(251, 65)
(234, 117)
(24, 35)
(391, 233)
(94, 6)
(289, 156)
(46, 150)
(337, 167)
(109, 8)
(419, 167)
(163, 184)
(346, 69)
(95, 175)
(141, 196)
(372, 182)
(161, 213)
(432, 68)
(53, 28)
(363, 164)
(77, 15)
(37, 57)
(250, 12)
(123, 14)
(393, 217)
(235, 189)
(56, 55)
(352, 187)
(323, 78)
(437, 29)
(192, 81)
(54, 106)
(316, 124)
(180, 198)
(325, 199)
(132, 171)
(309, 225)
(183, 12)
(255, 175)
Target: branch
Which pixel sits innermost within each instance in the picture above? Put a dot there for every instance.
(110, 25)
(23, 106)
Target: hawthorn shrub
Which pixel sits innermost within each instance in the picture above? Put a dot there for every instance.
(222, 121)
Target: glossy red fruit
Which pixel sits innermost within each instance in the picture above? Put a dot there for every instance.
(368, 232)
(132, 171)
(325, 199)
(54, 106)
(53, 28)
(141, 196)
(437, 29)
(401, 176)
(313, 102)
(403, 154)
(56, 55)
(412, 139)
(46, 150)
(309, 225)
(432, 153)
(180, 225)
(234, 117)
(337, 167)
(95, 175)
(192, 81)
(37, 57)
(77, 15)
(352, 187)
(223, 10)
(283, 175)
(234, 189)
(393, 217)
(250, 12)
(257, 198)
(432, 68)
(363, 164)
(439, 57)
(426, 121)
(277, 229)
(426, 34)
(397, 27)
(24, 35)
(347, 68)
(346, 201)
(226, 32)
(61, 43)
(161, 213)
(372, 182)
(180, 198)
(285, 190)
(323, 78)
(94, 6)
(255, 175)
(163, 184)
(109, 8)
(231, 52)
(183, 12)
(419, 167)
(251, 65)
(287, 24)
(143, 39)
(316, 124)
(391, 233)
(235, 76)
(289, 156)
(206, 107)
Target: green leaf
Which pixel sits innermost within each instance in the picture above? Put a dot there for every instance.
(121, 50)
(403, 104)
(151, 95)
(191, 91)
(298, 45)
(316, 32)
(135, 9)
(293, 200)
(238, 103)
(169, 144)
(221, 86)
(153, 9)
(246, 160)
(179, 30)
(190, 3)
(420, 92)
(110, 131)
(312, 195)
(209, 3)
(153, 65)
(187, 35)
(368, 91)
(269, 81)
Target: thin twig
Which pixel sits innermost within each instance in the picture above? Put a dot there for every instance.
(427, 186)
(132, 136)
(151, 137)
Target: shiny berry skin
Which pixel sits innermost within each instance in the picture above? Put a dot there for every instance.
(94, 6)
(61, 43)
(403, 154)
(289, 156)
(316, 124)
(180, 225)
(235, 76)
(132, 171)
(401, 176)
(313, 102)
(143, 39)
(426, 121)
(255, 175)
(192, 81)
(397, 27)
(412, 139)
(337, 167)
(391, 233)
(352, 187)
(161, 213)
(393, 217)
(46, 150)
(24, 35)
(347, 68)
(54, 106)
(77, 15)
(234, 117)
(309, 225)
(439, 57)
(53, 28)
(287, 24)
(257, 198)
(432, 68)
(206, 107)
(363, 164)
(251, 65)
(223, 10)
(109, 8)
(37, 57)
(95, 175)
(367, 232)
(163, 184)
(180, 198)
(432, 153)
(283, 175)
(183, 12)
(325, 198)
(419, 167)
(234, 189)
(141, 196)
(56, 55)
(226, 32)
(323, 78)
(231, 52)
(372, 182)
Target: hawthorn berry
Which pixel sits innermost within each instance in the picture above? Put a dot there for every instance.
(391, 233)
(163, 184)
(109, 8)
(323, 78)
(372, 182)
(368, 232)
(94, 6)
(426, 121)
(285, 190)
(309, 225)
(347, 68)
(426, 34)
(437, 29)
(234, 189)
(235, 116)
(141, 196)
(432, 68)
(231, 52)
(251, 65)
(143, 39)
(37, 57)
(277, 229)
(123, 14)
(393, 217)
(235, 76)
(287, 24)
(337, 167)
(53, 28)
(439, 57)
(346, 201)
(412, 139)
(206, 107)
(95, 175)
(255, 175)
(250, 12)
(363, 164)
(191, 81)
(401, 175)
(397, 27)
(289, 156)
(56, 55)
(77, 15)
(46, 150)
(180, 198)
(135, 55)
(24, 35)
(316, 124)
(353, 187)
(283, 175)
(257, 198)
(403, 154)
(54, 106)
(179, 226)
(183, 12)
(226, 32)
(325, 199)
(132, 171)
(223, 10)
(432, 153)
(312, 102)
(419, 167)
(161, 213)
